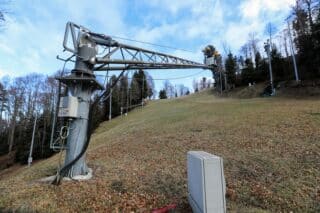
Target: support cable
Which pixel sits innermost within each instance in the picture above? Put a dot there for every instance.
(153, 44)
(174, 78)
(55, 116)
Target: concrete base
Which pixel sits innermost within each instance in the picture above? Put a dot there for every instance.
(77, 177)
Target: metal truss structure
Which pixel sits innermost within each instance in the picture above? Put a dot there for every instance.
(121, 56)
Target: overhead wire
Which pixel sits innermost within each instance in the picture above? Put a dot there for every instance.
(129, 89)
(182, 77)
(153, 44)
(175, 78)
(55, 116)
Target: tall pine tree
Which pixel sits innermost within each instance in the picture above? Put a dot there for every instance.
(231, 67)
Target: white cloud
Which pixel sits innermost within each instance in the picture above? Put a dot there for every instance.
(253, 8)
(172, 6)
(204, 19)
(237, 33)
(155, 33)
(254, 15)
(27, 47)
(7, 49)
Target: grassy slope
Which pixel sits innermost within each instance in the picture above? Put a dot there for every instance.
(270, 148)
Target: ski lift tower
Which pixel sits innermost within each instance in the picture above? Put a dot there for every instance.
(81, 83)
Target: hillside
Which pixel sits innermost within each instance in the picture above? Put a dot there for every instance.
(270, 149)
(285, 89)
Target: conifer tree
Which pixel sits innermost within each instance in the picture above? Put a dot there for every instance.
(230, 67)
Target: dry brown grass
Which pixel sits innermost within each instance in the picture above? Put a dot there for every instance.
(270, 149)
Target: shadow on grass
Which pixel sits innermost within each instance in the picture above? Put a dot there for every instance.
(173, 188)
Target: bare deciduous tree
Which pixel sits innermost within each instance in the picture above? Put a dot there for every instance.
(270, 30)
(3, 10)
(285, 42)
(16, 97)
(169, 88)
(253, 44)
(245, 50)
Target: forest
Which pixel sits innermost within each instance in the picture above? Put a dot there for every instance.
(303, 29)
(33, 98)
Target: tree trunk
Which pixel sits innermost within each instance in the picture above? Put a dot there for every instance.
(11, 136)
(29, 106)
(285, 46)
(44, 135)
(308, 2)
(13, 126)
(1, 110)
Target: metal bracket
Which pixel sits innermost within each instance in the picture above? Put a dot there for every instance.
(71, 28)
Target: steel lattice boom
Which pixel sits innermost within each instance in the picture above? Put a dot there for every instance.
(138, 58)
(120, 56)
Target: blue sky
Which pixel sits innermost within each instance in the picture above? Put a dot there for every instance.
(34, 31)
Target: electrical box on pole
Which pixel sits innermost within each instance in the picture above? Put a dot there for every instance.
(68, 107)
(209, 60)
